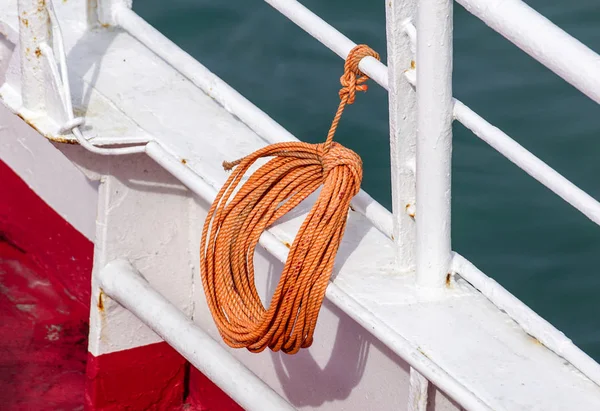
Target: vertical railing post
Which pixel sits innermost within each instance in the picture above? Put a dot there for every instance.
(107, 9)
(434, 140)
(34, 30)
(403, 129)
(403, 141)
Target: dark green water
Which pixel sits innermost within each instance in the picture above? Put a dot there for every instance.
(510, 226)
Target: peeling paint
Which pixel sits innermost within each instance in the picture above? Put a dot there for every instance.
(53, 332)
(27, 308)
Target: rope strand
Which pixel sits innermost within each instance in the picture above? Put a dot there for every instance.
(234, 225)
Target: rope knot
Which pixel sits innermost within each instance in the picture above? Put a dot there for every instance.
(353, 79)
(340, 156)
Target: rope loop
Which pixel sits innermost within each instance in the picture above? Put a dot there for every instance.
(239, 215)
(353, 79)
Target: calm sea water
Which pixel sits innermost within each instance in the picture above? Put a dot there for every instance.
(511, 227)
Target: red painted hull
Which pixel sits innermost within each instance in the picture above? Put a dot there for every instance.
(45, 277)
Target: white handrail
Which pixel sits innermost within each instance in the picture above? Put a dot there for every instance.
(234, 102)
(528, 319)
(543, 40)
(329, 37)
(231, 100)
(528, 162)
(521, 157)
(337, 296)
(120, 281)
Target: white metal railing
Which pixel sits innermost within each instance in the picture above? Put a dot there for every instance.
(543, 40)
(124, 284)
(433, 276)
(430, 110)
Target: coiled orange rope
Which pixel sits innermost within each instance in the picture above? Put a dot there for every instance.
(233, 227)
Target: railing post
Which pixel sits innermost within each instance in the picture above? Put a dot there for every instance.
(107, 9)
(403, 129)
(34, 30)
(434, 140)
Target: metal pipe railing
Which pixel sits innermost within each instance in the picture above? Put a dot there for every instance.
(236, 104)
(543, 40)
(232, 101)
(329, 37)
(434, 140)
(120, 281)
(401, 53)
(528, 319)
(335, 294)
(520, 156)
(528, 162)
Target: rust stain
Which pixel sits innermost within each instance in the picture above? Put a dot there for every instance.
(41, 5)
(422, 352)
(183, 161)
(27, 50)
(101, 300)
(535, 340)
(51, 138)
(352, 208)
(393, 238)
(25, 21)
(413, 65)
(411, 215)
(287, 244)
(38, 52)
(105, 25)
(449, 280)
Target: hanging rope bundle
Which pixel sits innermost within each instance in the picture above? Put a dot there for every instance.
(233, 227)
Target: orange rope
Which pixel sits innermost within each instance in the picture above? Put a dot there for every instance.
(233, 227)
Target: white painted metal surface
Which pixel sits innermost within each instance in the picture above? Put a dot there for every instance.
(448, 336)
(275, 246)
(234, 102)
(521, 157)
(107, 10)
(542, 40)
(124, 284)
(401, 56)
(143, 216)
(34, 30)
(527, 318)
(403, 129)
(49, 173)
(434, 140)
(417, 394)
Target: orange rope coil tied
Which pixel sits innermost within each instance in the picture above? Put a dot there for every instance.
(233, 227)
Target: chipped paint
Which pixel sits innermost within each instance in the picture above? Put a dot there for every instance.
(53, 332)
